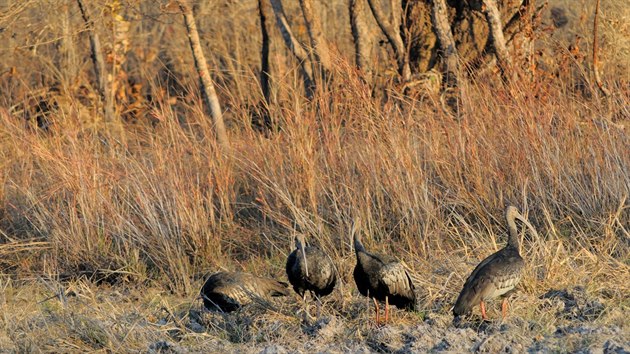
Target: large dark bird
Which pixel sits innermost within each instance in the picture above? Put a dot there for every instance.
(228, 291)
(496, 275)
(310, 269)
(382, 278)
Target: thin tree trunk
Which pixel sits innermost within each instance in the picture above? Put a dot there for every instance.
(70, 62)
(396, 15)
(598, 79)
(207, 87)
(96, 54)
(120, 47)
(452, 80)
(394, 38)
(439, 15)
(493, 16)
(316, 35)
(510, 31)
(360, 34)
(294, 46)
(265, 75)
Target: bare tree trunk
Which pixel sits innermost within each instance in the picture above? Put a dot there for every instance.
(265, 75)
(598, 79)
(294, 46)
(396, 15)
(512, 31)
(394, 38)
(262, 118)
(452, 79)
(120, 47)
(493, 16)
(207, 87)
(439, 15)
(360, 34)
(96, 54)
(70, 60)
(314, 28)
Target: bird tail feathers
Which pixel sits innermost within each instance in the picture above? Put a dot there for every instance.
(276, 288)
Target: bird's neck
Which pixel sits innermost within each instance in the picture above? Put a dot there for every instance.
(512, 233)
(358, 246)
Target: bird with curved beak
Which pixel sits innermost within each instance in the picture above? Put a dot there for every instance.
(310, 269)
(498, 274)
(382, 278)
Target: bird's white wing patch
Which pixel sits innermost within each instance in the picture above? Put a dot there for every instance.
(395, 277)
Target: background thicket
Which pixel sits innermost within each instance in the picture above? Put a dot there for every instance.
(145, 195)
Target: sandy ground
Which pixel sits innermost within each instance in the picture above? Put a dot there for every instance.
(85, 317)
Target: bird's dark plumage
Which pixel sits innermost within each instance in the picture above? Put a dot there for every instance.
(310, 269)
(498, 274)
(379, 276)
(228, 291)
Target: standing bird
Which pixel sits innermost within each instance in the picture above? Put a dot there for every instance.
(496, 275)
(382, 278)
(228, 291)
(310, 269)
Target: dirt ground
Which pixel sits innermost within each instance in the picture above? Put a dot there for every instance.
(48, 317)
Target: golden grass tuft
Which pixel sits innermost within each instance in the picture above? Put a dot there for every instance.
(107, 229)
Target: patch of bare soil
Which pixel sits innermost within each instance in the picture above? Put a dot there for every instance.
(577, 330)
(94, 318)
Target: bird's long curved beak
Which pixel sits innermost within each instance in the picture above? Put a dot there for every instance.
(530, 226)
(305, 261)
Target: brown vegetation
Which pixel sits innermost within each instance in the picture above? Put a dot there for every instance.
(108, 228)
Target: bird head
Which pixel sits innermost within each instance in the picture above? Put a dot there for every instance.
(300, 241)
(512, 213)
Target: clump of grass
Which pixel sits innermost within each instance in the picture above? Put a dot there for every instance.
(162, 201)
(153, 203)
(162, 204)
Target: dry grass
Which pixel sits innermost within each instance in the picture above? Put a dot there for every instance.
(108, 228)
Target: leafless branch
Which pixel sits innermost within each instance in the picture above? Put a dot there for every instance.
(394, 38)
(98, 61)
(294, 46)
(207, 86)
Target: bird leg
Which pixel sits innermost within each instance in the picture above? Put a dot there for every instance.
(319, 307)
(386, 309)
(305, 306)
(377, 310)
(483, 310)
(367, 305)
(504, 307)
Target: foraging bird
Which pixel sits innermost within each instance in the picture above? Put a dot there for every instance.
(496, 275)
(382, 278)
(228, 291)
(310, 269)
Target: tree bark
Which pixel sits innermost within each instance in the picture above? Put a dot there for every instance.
(468, 26)
(96, 53)
(319, 46)
(70, 61)
(294, 46)
(207, 87)
(418, 35)
(265, 75)
(394, 38)
(493, 16)
(510, 31)
(439, 16)
(360, 34)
